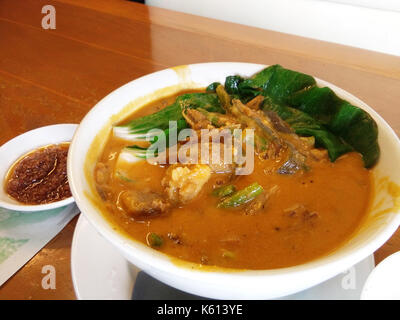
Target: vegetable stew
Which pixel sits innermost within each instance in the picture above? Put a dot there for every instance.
(307, 192)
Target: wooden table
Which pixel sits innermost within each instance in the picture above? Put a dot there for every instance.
(56, 76)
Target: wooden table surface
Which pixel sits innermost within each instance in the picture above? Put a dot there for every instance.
(56, 76)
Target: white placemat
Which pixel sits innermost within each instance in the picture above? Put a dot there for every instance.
(23, 234)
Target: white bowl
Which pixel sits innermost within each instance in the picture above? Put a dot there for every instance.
(12, 150)
(220, 283)
(383, 283)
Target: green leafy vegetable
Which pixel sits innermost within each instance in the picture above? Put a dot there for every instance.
(139, 129)
(232, 84)
(206, 101)
(349, 122)
(276, 82)
(336, 125)
(310, 110)
(212, 87)
(305, 125)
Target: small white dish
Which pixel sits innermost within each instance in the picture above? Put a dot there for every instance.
(384, 281)
(12, 150)
(100, 272)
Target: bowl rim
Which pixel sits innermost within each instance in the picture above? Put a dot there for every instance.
(43, 136)
(154, 261)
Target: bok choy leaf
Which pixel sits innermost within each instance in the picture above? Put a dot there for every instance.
(138, 129)
(336, 124)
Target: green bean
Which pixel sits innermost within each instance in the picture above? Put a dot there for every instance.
(224, 98)
(216, 119)
(242, 196)
(224, 191)
(154, 240)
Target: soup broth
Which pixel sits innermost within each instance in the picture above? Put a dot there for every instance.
(306, 214)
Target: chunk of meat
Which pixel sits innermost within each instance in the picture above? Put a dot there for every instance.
(295, 210)
(102, 173)
(183, 183)
(102, 177)
(273, 131)
(218, 156)
(300, 216)
(175, 238)
(138, 203)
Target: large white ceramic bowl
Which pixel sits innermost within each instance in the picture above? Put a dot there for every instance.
(381, 223)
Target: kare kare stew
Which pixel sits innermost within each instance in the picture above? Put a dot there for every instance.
(308, 190)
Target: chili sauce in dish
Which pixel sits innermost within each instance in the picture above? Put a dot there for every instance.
(40, 176)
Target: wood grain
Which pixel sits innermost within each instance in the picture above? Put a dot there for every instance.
(56, 76)
(26, 106)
